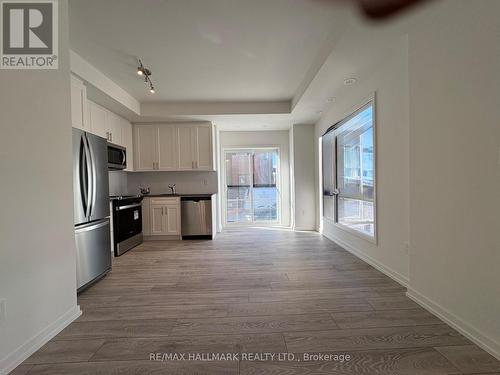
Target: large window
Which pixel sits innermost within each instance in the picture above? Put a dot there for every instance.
(252, 194)
(349, 172)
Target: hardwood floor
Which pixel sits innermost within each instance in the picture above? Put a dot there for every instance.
(253, 291)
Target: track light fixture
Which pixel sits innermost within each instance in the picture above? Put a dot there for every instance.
(146, 73)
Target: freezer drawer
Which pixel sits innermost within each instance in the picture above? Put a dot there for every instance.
(196, 217)
(93, 252)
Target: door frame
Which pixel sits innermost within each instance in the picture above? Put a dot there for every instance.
(276, 222)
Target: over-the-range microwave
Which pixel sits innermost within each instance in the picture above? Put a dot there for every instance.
(117, 157)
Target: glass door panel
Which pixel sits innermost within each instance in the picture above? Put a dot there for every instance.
(238, 187)
(252, 193)
(265, 189)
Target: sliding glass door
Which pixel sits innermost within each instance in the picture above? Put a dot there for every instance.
(252, 186)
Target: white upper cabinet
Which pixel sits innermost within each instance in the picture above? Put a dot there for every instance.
(105, 123)
(195, 147)
(185, 147)
(203, 148)
(98, 120)
(79, 112)
(114, 127)
(145, 147)
(166, 147)
(128, 142)
(91, 117)
(171, 147)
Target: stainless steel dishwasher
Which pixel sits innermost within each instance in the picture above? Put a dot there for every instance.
(196, 217)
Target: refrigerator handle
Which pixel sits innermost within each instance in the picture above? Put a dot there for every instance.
(91, 178)
(83, 175)
(92, 226)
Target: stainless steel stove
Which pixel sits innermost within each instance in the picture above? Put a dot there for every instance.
(127, 222)
(121, 197)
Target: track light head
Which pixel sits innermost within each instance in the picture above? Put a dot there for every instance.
(146, 73)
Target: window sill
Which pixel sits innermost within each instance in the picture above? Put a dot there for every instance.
(353, 232)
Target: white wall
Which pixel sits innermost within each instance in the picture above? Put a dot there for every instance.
(186, 182)
(454, 72)
(264, 139)
(37, 246)
(303, 184)
(219, 186)
(292, 177)
(390, 82)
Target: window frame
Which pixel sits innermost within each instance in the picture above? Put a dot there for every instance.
(335, 129)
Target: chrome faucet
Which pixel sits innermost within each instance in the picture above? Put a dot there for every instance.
(172, 189)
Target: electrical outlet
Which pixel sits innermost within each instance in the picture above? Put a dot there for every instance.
(205, 182)
(2, 310)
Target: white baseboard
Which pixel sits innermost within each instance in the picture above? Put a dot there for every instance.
(304, 229)
(396, 276)
(476, 336)
(18, 356)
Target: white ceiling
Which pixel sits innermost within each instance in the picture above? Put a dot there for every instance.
(228, 52)
(203, 50)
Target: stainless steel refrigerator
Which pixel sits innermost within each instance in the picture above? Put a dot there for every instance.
(91, 208)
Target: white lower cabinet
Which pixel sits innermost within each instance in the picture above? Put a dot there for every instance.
(164, 217)
(158, 221)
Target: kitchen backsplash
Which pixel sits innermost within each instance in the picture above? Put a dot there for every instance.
(186, 182)
(117, 183)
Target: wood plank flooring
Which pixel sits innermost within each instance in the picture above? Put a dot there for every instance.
(253, 291)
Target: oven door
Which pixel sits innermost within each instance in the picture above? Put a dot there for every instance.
(127, 222)
(117, 157)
